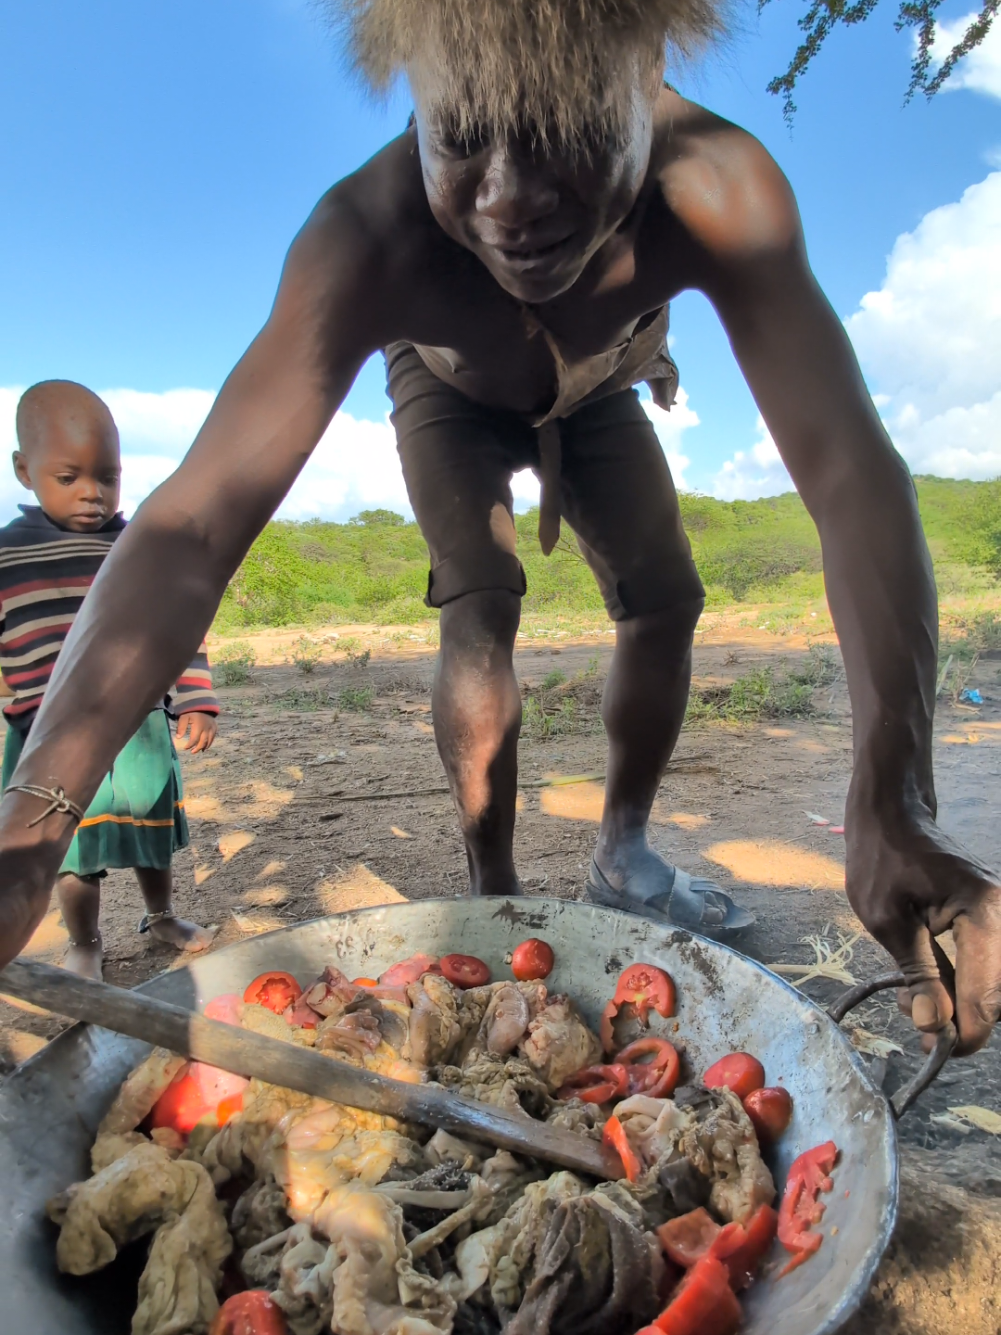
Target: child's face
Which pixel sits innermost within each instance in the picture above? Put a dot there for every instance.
(75, 471)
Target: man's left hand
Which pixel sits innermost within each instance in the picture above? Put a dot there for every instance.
(909, 883)
(196, 732)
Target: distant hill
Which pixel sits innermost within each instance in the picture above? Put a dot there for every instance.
(374, 568)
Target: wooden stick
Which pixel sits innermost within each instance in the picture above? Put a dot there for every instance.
(286, 1064)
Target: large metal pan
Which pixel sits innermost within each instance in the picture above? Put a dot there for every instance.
(50, 1108)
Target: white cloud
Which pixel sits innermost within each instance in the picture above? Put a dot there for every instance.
(753, 473)
(980, 71)
(928, 339)
(354, 467)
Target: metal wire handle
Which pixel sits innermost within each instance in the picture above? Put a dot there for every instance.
(945, 1040)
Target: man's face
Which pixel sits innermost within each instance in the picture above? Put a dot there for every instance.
(535, 215)
(75, 471)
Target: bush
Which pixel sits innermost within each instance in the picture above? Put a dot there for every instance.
(305, 655)
(231, 667)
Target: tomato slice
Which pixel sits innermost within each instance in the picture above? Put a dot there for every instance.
(409, 970)
(364, 982)
(614, 1135)
(252, 1313)
(532, 959)
(688, 1238)
(465, 970)
(596, 1084)
(742, 1247)
(197, 1092)
(657, 1077)
(704, 1303)
(647, 988)
(800, 1208)
(771, 1112)
(277, 990)
(739, 1072)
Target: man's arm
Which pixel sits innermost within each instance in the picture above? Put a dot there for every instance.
(906, 880)
(156, 594)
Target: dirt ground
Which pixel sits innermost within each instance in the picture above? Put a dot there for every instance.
(305, 807)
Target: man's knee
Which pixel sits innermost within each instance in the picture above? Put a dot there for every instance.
(481, 621)
(672, 627)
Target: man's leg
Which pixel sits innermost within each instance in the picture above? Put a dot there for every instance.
(477, 717)
(620, 499)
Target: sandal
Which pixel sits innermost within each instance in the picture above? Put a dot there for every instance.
(674, 898)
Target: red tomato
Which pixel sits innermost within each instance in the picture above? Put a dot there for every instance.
(704, 1303)
(657, 1077)
(226, 1009)
(740, 1073)
(742, 1247)
(196, 1092)
(252, 1313)
(596, 1084)
(277, 990)
(647, 988)
(771, 1112)
(688, 1238)
(365, 982)
(532, 959)
(800, 1208)
(464, 970)
(614, 1136)
(409, 971)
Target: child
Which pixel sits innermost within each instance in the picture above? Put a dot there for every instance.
(68, 456)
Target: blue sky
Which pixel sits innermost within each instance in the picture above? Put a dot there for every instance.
(157, 158)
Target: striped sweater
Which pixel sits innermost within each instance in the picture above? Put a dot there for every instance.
(45, 572)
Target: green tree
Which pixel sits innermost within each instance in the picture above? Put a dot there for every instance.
(823, 16)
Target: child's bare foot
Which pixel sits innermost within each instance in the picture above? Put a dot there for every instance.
(181, 934)
(85, 960)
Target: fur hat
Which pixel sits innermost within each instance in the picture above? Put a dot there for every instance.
(560, 67)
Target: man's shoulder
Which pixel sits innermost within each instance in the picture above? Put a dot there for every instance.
(720, 182)
(378, 214)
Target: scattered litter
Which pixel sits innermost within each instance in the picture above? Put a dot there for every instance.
(950, 1123)
(982, 1118)
(872, 1044)
(971, 697)
(400, 834)
(338, 758)
(814, 819)
(829, 962)
(836, 829)
(332, 815)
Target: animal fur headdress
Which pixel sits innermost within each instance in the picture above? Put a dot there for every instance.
(557, 65)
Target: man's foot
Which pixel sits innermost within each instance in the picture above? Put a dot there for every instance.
(179, 933)
(652, 887)
(85, 960)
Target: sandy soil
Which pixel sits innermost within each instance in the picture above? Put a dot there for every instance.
(299, 812)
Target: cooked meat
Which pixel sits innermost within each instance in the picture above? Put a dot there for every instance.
(722, 1146)
(331, 994)
(501, 1256)
(502, 1082)
(434, 1020)
(654, 1126)
(259, 1213)
(594, 1273)
(140, 1090)
(349, 1035)
(507, 1017)
(587, 1119)
(559, 1043)
(685, 1188)
(146, 1190)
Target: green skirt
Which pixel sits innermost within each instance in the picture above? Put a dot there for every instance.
(137, 816)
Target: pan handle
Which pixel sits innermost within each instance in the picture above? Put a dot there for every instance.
(945, 1039)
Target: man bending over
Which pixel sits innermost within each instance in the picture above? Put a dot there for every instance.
(514, 253)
